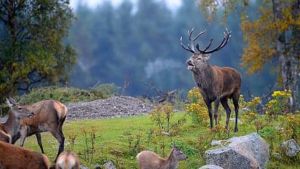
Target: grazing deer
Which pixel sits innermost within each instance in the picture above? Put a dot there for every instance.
(150, 160)
(67, 160)
(46, 115)
(216, 84)
(14, 157)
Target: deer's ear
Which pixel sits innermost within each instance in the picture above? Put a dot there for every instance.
(10, 105)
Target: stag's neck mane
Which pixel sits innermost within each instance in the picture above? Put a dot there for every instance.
(204, 77)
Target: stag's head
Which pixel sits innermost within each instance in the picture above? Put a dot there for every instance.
(200, 57)
(17, 110)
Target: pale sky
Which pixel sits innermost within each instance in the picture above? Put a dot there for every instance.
(173, 4)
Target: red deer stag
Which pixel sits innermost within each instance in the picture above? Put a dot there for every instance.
(13, 157)
(46, 115)
(216, 84)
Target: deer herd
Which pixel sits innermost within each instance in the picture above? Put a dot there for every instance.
(216, 84)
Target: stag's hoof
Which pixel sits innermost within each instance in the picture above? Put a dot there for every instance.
(236, 129)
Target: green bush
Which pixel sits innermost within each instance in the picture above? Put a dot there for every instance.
(105, 90)
(69, 94)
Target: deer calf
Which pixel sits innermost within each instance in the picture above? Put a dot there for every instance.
(14, 157)
(150, 160)
(67, 160)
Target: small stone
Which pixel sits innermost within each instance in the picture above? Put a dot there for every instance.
(97, 166)
(290, 147)
(210, 167)
(109, 165)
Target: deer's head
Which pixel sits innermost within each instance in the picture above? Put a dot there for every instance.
(178, 154)
(200, 57)
(17, 110)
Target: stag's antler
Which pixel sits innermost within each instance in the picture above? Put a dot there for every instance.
(191, 46)
(227, 35)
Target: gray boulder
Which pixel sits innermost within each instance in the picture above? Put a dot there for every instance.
(290, 147)
(210, 167)
(83, 167)
(109, 165)
(245, 152)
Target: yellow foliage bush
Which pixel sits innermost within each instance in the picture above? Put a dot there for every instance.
(197, 108)
(279, 104)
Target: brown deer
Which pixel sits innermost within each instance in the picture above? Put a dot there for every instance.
(67, 160)
(14, 157)
(150, 160)
(46, 115)
(216, 84)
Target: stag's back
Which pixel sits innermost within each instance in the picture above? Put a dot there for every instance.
(228, 81)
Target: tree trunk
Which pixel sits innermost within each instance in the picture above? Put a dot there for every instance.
(287, 47)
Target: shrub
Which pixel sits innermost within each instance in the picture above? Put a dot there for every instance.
(105, 90)
(197, 108)
(63, 94)
(252, 105)
(134, 141)
(290, 127)
(69, 94)
(278, 104)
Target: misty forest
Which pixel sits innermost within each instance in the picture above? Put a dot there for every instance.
(149, 84)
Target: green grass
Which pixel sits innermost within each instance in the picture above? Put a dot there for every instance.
(112, 144)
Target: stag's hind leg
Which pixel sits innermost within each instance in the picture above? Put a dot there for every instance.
(224, 102)
(235, 100)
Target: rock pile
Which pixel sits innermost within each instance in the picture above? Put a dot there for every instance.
(117, 106)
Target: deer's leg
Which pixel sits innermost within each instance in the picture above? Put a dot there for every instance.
(39, 140)
(208, 104)
(235, 100)
(224, 102)
(217, 102)
(23, 134)
(61, 139)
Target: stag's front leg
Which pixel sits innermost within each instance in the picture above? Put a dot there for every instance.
(217, 102)
(208, 104)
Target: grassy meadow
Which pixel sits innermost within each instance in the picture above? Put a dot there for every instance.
(120, 139)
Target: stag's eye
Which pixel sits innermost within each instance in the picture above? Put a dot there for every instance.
(19, 108)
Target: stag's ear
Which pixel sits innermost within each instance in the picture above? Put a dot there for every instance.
(206, 57)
